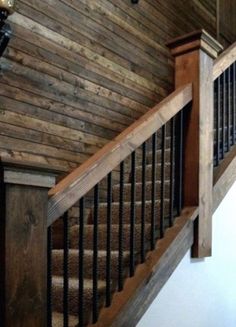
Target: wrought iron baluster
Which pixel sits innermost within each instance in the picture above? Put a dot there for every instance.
(143, 209)
(95, 254)
(121, 213)
(172, 167)
(66, 271)
(162, 204)
(81, 262)
(234, 99)
(108, 245)
(179, 162)
(223, 113)
(228, 109)
(217, 111)
(153, 195)
(132, 213)
(49, 278)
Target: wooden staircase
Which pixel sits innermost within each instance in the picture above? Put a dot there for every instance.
(110, 265)
(57, 255)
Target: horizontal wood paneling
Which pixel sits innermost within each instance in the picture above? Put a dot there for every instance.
(77, 73)
(227, 21)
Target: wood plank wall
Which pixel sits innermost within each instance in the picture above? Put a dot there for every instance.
(77, 72)
(227, 21)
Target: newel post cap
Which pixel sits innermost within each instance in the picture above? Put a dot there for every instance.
(196, 40)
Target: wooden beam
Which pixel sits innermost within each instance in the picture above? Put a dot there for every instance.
(194, 54)
(129, 305)
(23, 244)
(66, 193)
(224, 61)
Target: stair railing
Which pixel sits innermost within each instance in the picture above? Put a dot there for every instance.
(145, 207)
(181, 124)
(224, 76)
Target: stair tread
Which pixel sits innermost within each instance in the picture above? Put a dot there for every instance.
(57, 281)
(88, 252)
(167, 181)
(104, 226)
(158, 164)
(127, 203)
(57, 320)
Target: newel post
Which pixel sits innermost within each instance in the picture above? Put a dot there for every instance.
(194, 56)
(23, 245)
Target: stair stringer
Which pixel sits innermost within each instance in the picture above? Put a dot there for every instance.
(129, 306)
(224, 177)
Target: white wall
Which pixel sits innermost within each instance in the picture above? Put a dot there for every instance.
(202, 293)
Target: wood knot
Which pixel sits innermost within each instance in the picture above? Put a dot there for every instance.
(30, 219)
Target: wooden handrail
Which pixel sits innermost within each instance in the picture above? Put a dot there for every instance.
(224, 61)
(69, 190)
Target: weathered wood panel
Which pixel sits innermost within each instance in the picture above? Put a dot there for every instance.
(77, 73)
(227, 21)
(23, 258)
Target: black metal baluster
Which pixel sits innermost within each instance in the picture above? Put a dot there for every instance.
(228, 110)
(49, 278)
(143, 209)
(217, 111)
(179, 163)
(108, 246)
(223, 114)
(66, 271)
(162, 207)
(81, 262)
(172, 167)
(181, 153)
(121, 214)
(153, 195)
(95, 254)
(132, 214)
(234, 100)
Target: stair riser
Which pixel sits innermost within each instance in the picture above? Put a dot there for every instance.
(88, 266)
(138, 192)
(57, 320)
(158, 157)
(149, 173)
(115, 238)
(102, 214)
(149, 157)
(57, 295)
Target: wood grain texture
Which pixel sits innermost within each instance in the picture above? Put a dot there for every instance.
(74, 81)
(224, 61)
(23, 248)
(81, 180)
(195, 64)
(227, 23)
(149, 278)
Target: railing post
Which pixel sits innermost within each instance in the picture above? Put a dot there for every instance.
(194, 55)
(23, 245)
